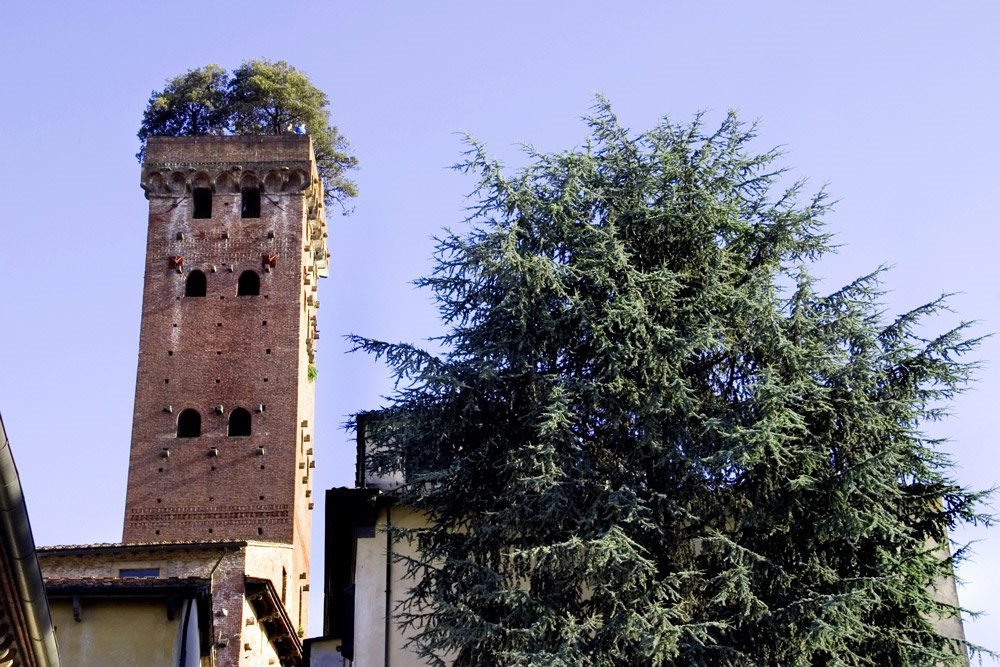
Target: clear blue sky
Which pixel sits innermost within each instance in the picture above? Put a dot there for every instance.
(893, 104)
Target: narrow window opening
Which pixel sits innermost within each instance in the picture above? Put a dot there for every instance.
(202, 198)
(189, 424)
(139, 571)
(250, 206)
(260, 531)
(196, 284)
(249, 284)
(239, 423)
(284, 585)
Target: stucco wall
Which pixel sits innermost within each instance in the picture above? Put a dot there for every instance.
(371, 577)
(125, 633)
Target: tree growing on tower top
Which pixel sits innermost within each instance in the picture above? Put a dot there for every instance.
(260, 97)
(651, 440)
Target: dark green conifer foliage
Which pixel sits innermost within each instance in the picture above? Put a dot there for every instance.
(651, 441)
(261, 97)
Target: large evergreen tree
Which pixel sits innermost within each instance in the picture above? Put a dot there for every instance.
(651, 441)
(261, 97)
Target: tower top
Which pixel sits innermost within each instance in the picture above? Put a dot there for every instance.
(274, 164)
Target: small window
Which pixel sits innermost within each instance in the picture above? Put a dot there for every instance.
(139, 572)
(196, 285)
(249, 284)
(202, 198)
(250, 206)
(239, 423)
(189, 424)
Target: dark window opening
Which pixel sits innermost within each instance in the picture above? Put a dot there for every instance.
(189, 424)
(249, 284)
(250, 206)
(139, 572)
(284, 585)
(202, 198)
(196, 285)
(239, 423)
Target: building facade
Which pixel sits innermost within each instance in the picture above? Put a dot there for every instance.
(221, 456)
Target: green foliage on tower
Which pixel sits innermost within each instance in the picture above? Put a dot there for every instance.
(651, 440)
(192, 104)
(260, 97)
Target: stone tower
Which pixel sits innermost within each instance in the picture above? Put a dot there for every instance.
(221, 435)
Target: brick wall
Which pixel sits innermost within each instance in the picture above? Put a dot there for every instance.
(221, 352)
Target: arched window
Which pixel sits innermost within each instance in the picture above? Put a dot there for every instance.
(189, 424)
(196, 284)
(250, 203)
(202, 198)
(249, 284)
(239, 423)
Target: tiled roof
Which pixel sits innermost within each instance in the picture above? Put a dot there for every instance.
(58, 549)
(27, 636)
(112, 547)
(121, 582)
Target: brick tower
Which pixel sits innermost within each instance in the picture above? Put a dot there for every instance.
(221, 436)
